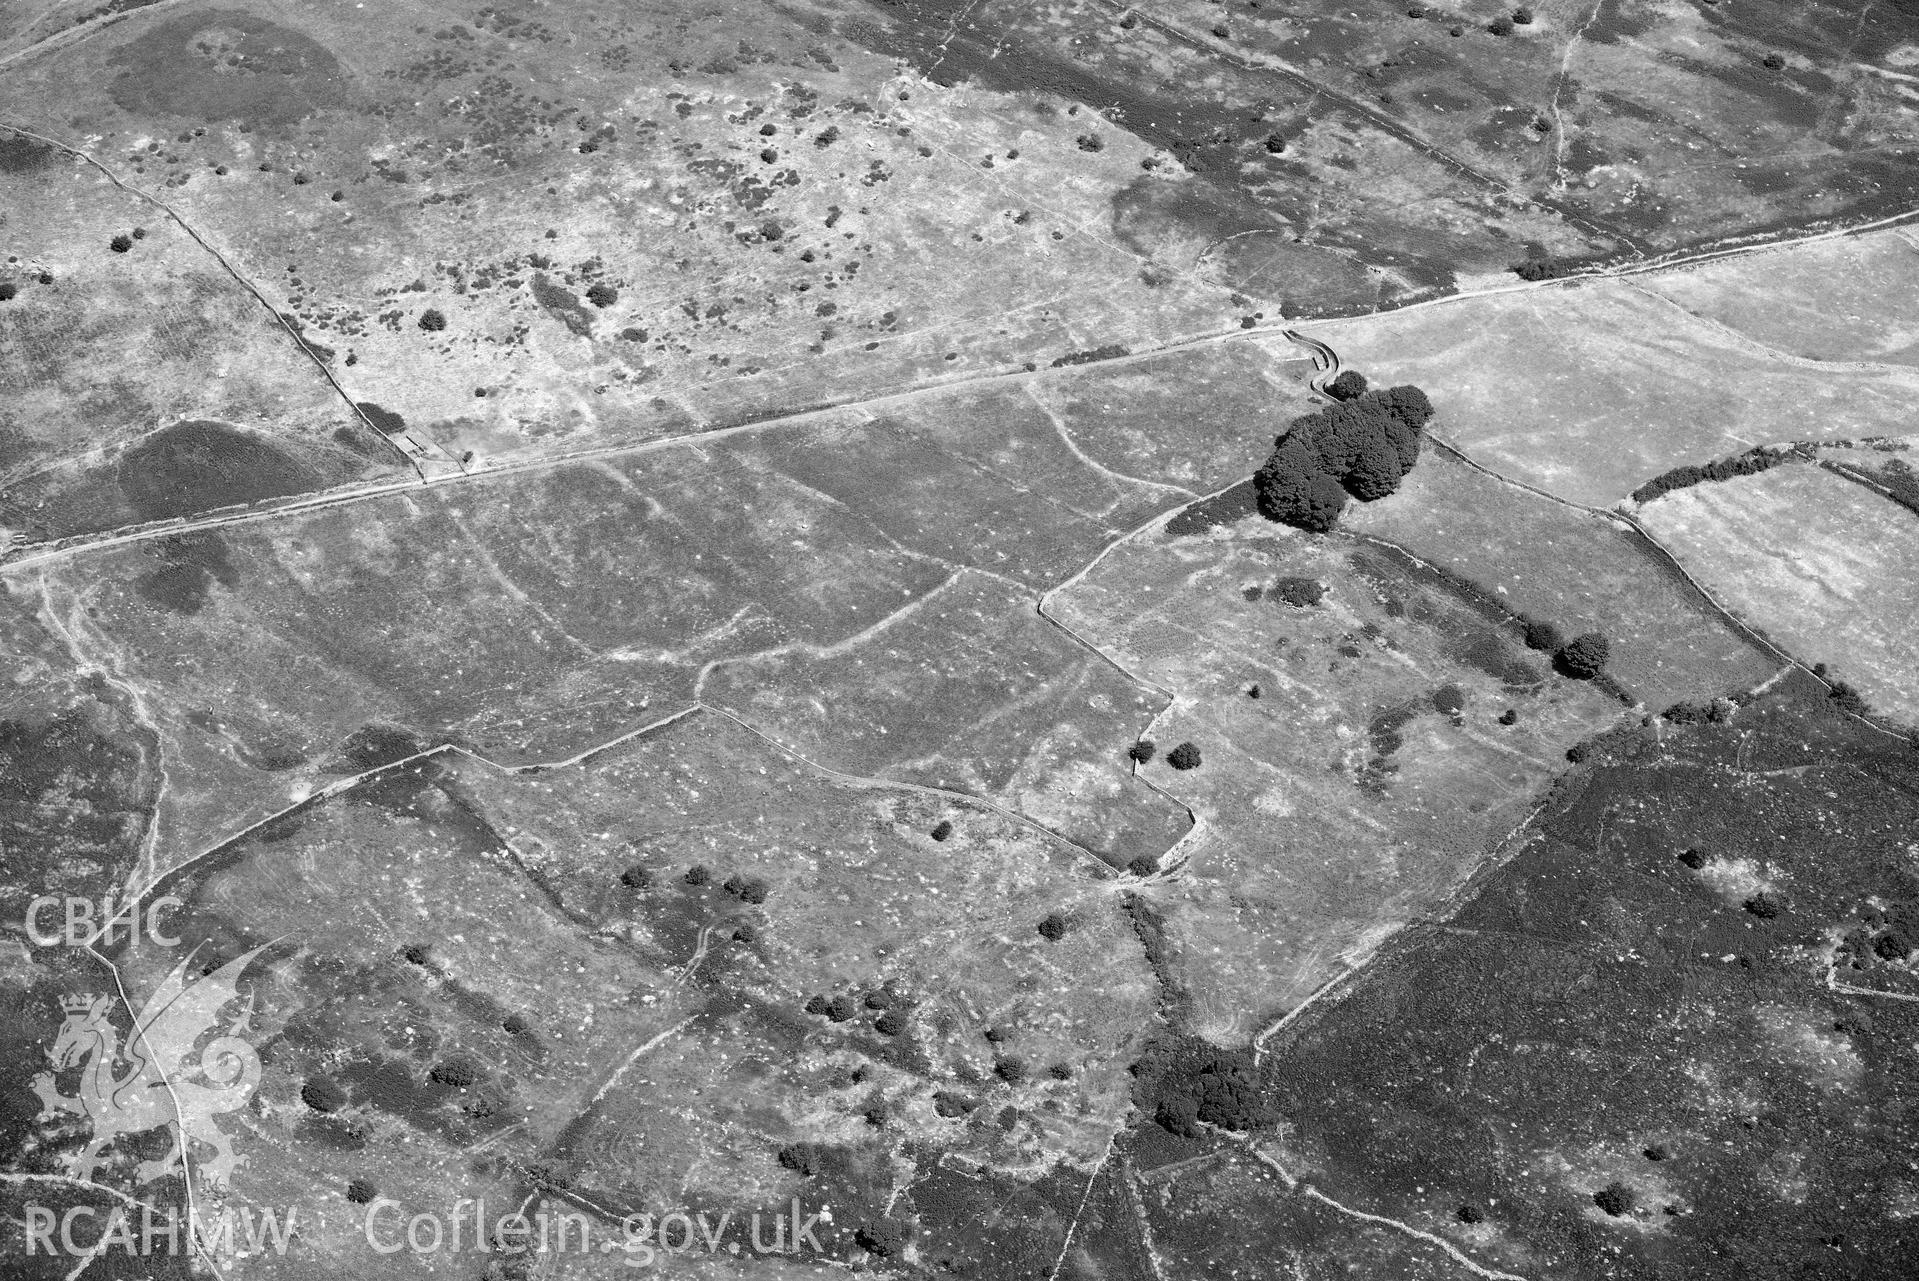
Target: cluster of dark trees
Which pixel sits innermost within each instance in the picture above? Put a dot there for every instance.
(1750, 463)
(1360, 447)
(1583, 657)
(1206, 1084)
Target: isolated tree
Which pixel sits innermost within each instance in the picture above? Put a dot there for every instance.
(1693, 858)
(1523, 16)
(1349, 384)
(1773, 62)
(636, 877)
(1615, 1199)
(941, 830)
(7, 290)
(1141, 752)
(1583, 657)
(891, 1023)
(432, 321)
(1763, 906)
(698, 875)
(454, 1073)
(1275, 144)
(1010, 1070)
(120, 244)
(1542, 635)
(516, 1025)
(360, 1192)
(1500, 26)
(602, 295)
(1469, 1214)
(1185, 756)
(841, 1008)
(1054, 927)
(1143, 866)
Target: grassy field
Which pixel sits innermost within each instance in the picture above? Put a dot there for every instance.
(1355, 768)
(1816, 562)
(1579, 571)
(1842, 300)
(1645, 387)
(110, 352)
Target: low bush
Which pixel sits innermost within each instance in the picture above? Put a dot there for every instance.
(322, 1095)
(1054, 927)
(432, 320)
(941, 830)
(1615, 1199)
(1142, 751)
(1185, 756)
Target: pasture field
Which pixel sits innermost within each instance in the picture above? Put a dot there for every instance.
(1354, 770)
(1645, 386)
(1579, 571)
(1819, 564)
(1845, 301)
(112, 356)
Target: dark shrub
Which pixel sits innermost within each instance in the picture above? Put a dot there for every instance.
(1012, 1071)
(891, 1023)
(1848, 699)
(816, 1005)
(884, 1238)
(941, 830)
(746, 932)
(841, 1008)
(1449, 699)
(1061, 1071)
(1469, 1214)
(360, 1192)
(636, 877)
(517, 1025)
(432, 321)
(1763, 906)
(1615, 1199)
(1143, 866)
(7, 290)
(1583, 657)
(1657, 1152)
(415, 953)
(1773, 62)
(879, 999)
(1301, 593)
(1275, 144)
(1890, 947)
(602, 295)
(1693, 858)
(747, 889)
(1542, 635)
(120, 244)
(1090, 142)
(1578, 752)
(698, 874)
(804, 1159)
(1185, 756)
(1523, 16)
(1054, 927)
(1349, 384)
(1501, 26)
(1142, 751)
(455, 1073)
(322, 1095)
(1509, 717)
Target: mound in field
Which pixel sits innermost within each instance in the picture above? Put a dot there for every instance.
(1820, 564)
